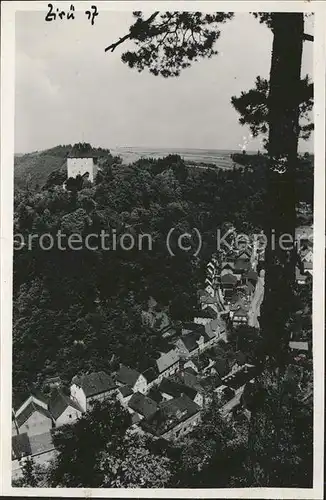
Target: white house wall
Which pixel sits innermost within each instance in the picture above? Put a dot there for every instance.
(69, 416)
(36, 424)
(78, 395)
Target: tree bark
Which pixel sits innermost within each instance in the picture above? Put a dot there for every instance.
(283, 103)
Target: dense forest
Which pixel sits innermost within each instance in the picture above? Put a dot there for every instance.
(74, 309)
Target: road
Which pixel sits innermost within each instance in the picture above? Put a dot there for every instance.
(257, 300)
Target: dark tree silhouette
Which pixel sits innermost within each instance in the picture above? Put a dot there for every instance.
(253, 107)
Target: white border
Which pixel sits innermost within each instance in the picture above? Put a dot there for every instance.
(8, 10)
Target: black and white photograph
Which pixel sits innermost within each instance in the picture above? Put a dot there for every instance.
(161, 242)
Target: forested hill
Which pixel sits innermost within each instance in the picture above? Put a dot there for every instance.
(33, 169)
(73, 310)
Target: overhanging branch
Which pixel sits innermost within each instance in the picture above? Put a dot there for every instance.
(310, 38)
(113, 46)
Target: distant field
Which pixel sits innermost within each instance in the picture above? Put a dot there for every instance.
(219, 158)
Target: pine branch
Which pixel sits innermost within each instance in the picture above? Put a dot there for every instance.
(113, 46)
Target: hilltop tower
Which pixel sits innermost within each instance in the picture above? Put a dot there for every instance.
(82, 161)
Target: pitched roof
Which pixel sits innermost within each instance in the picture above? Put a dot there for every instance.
(240, 313)
(180, 404)
(150, 374)
(241, 265)
(167, 360)
(170, 414)
(193, 327)
(127, 375)
(191, 380)
(60, 402)
(190, 370)
(175, 389)
(240, 357)
(244, 254)
(21, 398)
(155, 395)
(29, 410)
(227, 264)
(251, 275)
(207, 313)
(190, 341)
(216, 326)
(125, 390)
(20, 446)
(221, 366)
(142, 404)
(229, 279)
(41, 443)
(94, 383)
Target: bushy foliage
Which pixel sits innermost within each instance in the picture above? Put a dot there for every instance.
(167, 42)
(253, 107)
(97, 451)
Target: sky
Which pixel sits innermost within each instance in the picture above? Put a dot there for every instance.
(68, 90)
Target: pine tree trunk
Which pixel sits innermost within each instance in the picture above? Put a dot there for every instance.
(281, 199)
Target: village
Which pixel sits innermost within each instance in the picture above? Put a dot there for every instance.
(166, 401)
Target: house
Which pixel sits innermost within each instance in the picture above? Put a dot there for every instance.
(167, 364)
(205, 316)
(250, 276)
(171, 389)
(90, 387)
(206, 300)
(19, 404)
(221, 366)
(240, 317)
(228, 283)
(176, 417)
(144, 406)
(190, 344)
(227, 268)
(191, 365)
(190, 379)
(237, 380)
(241, 266)
(133, 378)
(214, 330)
(306, 255)
(63, 409)
(124, 394)
(155, 395)
(209, 288)
(34, 419)
(248, 289)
